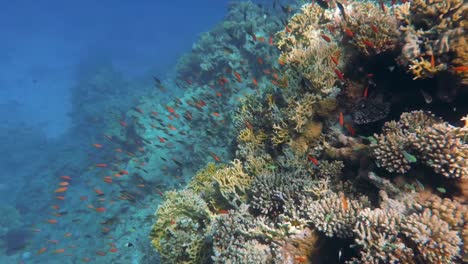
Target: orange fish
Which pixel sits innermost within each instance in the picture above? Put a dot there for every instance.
(96, 145)
(118, 150)
(101, 165)
(162, 140)
(123, 172)
(374, 28)
(348, 32)
(113, 249)
(100, 209)
(60, 197)
(56, 207)
(351, 130)
(99, 192)
(171, 127)
(325, 37)
(382, 6)
(261, 39)
(170, 109)
(460, 68)
(216, 114)
(84, 198)
(254, 81)
(218, 94)
(62, 189)
(101, 253)
(300, 259)
(63, 184)
(432, 61)
(41, 250)
(123, 123)
(215, 157)
(259, 60)
(281, 62)
(335, 60)
(223, 211)
(67, 235)
(368, 43)
(339, 74)
(270, 40)
(60, 250)
(341, 119)
(313, 160)
(344, 201)
(66, 177)
(86, 259)
(52, 221)
(366, 92)
(238, 77)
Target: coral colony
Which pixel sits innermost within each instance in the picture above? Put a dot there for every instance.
(330, 163)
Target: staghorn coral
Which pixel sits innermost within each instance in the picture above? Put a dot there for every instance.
(434, 37)
(179, 231)
(374, 30)
(301, 110)
(335, 215)
(306, 52)
(434, 240)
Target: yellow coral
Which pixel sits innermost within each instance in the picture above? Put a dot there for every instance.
(203, 179)
(280, 134)
(232, 182)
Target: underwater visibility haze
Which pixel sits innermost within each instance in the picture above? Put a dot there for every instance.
(268, 131)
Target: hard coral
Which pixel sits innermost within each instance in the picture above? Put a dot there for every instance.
(433, 238)
(374, 30)
(335, 215)
(179, 231)
(434, 38)
(421, 136)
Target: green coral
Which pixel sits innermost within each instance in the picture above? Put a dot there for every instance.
(179, 231)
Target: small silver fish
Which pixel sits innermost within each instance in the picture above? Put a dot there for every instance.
(427, 97)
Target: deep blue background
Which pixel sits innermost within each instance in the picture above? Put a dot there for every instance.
(43, 42)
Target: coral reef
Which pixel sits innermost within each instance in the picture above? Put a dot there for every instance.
(306, 174)
(434, 38)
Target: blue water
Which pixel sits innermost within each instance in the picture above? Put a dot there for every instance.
(51, 55)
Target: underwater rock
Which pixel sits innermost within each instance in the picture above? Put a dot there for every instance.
(369, 110)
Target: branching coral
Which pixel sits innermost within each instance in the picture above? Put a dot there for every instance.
(377, 236)
(306, 52)
(435, 242)
(374, 30)
(420, 136)
(434, 32)
(335, 215)
(442, 148)
(179, 231)
(234, 239)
